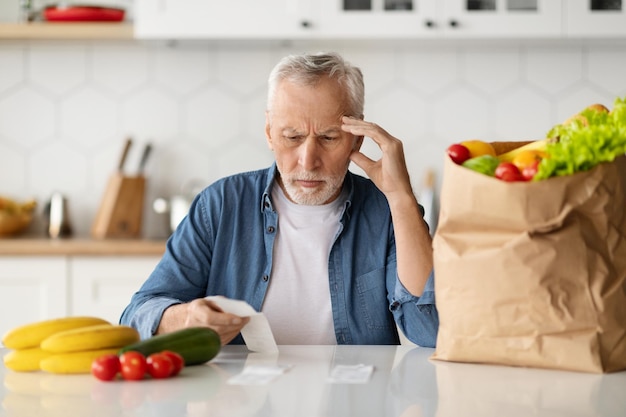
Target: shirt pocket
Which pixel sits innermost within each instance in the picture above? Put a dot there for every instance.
(371, 303)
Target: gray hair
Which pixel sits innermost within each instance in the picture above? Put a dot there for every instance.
(308, 69)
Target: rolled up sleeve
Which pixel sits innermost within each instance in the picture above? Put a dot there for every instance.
(146, 316)
(416, 317)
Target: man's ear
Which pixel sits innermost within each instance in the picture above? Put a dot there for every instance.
(268, 137)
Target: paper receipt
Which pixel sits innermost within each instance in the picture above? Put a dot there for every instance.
(258, 374)
(257, 333)
(351, 374)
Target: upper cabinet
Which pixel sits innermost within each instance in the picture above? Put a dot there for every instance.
(377, 19)
(246, 19)
(438, 18)
(502, 18)
(595, 18)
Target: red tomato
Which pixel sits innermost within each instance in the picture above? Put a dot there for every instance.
(507, 171)
(529, 172)
(177, 360)
(160, 365)
(105, 367)
(133, 366)
(458, 153)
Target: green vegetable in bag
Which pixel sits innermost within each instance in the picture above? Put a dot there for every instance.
(589, 139)
(485, 164)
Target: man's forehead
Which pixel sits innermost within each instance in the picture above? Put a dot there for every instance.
(334, 128)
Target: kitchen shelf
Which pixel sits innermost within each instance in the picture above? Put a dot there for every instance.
(80, 246)
(67, 31)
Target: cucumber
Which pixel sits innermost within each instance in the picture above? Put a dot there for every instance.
(197, 345)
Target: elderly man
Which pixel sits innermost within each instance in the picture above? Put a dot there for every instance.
(328, 256)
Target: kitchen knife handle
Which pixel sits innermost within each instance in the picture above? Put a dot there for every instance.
(144, 157)
(127, 145)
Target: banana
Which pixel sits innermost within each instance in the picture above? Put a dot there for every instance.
(31, 335)
(100, 336)
(538, 145)
(73, 363)
(25, 360)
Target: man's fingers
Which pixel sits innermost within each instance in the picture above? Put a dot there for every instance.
(362, 161)
(362, 128)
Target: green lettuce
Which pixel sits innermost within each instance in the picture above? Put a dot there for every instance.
(583, 145)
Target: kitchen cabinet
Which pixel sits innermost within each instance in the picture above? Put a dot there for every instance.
(43, 278)
(249, 19)
(502, 18)
(595, 18)
(102, 286)
(440, 19)
(345, 19)
(376, 19)
(31, 289)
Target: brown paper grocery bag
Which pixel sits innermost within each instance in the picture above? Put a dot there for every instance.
(533, 273)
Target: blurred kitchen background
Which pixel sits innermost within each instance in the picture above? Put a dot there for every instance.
(68, 105)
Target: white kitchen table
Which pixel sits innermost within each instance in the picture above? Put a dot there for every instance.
(405, 382)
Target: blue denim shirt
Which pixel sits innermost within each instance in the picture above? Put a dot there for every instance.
(224, 247)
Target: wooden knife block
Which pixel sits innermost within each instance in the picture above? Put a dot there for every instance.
(121, 211)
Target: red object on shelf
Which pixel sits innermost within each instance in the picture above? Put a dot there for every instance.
(83, 14)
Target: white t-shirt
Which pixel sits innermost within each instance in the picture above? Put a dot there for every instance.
(297, 304)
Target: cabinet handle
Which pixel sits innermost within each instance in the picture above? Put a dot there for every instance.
(429, 23)
(305, 24)
(453, 23)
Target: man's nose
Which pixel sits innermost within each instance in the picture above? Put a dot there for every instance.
(310, 154)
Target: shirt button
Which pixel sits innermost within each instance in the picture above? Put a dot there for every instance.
(266, 278)
(394, 305)
(266, 204)
(270, 229)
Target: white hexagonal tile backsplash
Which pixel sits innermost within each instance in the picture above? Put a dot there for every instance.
(66, 107)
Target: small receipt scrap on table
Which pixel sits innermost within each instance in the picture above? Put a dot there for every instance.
(258, 374)
(351, 374)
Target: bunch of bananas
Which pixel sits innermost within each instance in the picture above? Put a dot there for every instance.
(64, 345)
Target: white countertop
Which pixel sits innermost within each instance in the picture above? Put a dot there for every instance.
(405, 383)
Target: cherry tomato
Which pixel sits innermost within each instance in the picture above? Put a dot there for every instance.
(160, 365)
(177, 360)
(105, 367)
(529, 172)
(133, 366)
(458, 153)
(506, 171)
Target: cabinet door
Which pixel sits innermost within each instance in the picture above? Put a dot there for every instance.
(592, 18)
(102, 286)
(502, 18)
(250, 19)
(32, 289)
(376, 19)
